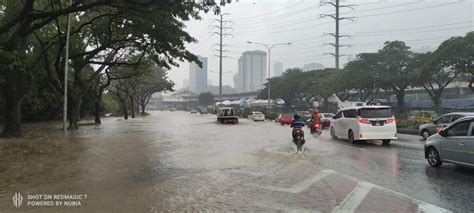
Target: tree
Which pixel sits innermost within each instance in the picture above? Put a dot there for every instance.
(361, 75)
(160, 27)
(459, 53)
(206, 99)
(287, 87)
(435, 74)
(154, 80)
(322, 83)
(397, 69)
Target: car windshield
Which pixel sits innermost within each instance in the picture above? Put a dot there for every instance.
(375, 113)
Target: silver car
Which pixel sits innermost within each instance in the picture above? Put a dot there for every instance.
(453, 144)
(428, 129)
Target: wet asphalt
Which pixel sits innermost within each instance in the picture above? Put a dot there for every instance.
(177, 161)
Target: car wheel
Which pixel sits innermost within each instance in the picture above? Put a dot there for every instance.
(425, 134)
(333, 133)
(351, 137)
(433, 157)
(386, 142)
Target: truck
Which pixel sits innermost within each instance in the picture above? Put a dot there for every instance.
(227, 115)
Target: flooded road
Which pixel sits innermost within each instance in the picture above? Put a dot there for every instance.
(177, 161)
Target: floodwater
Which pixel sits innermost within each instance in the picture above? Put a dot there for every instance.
(177, 161)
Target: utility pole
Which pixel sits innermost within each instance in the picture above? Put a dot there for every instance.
(337, 18)
(221, 34)
(66, 67)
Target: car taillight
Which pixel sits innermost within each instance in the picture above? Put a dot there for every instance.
(362, 120)
(316, 125)
(390, 120)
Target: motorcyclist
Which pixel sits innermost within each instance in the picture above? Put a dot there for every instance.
(296, 124)
(315, 118)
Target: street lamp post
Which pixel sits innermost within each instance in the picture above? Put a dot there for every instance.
(66, 66)
(269, 48)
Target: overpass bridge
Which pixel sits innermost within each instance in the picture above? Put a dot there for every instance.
(230, 97)
(191, 101)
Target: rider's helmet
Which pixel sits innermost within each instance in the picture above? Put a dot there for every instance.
(296, 116)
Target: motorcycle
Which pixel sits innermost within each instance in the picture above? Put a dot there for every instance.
(298, 138)
(314, 128)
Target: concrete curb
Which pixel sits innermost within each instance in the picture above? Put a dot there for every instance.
(407, 131)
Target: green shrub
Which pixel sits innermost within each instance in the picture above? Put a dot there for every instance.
(110, 104)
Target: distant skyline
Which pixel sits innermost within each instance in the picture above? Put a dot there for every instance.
(423, 25)
(198, 76)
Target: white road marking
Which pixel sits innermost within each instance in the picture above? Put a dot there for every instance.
(430, 208)
(354, 198)
(422, 206)
(352, 201)
(301, 186)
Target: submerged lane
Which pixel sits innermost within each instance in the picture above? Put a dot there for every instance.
(182, 161)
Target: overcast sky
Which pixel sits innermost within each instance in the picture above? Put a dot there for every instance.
(422, 24)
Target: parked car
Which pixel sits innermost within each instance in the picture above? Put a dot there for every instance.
(285, 119)
(428, 129)
(365, 123)
(325, 119)
(453, 144)
(256, 116)
(193, 111)
(173, 109)
(203, 111)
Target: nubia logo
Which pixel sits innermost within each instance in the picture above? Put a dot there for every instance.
(17, 200)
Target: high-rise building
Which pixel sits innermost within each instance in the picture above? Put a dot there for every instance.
(185, 83)
(198, 76)
(237, 82)
(251, 75)
(277, 69)
(312, 66)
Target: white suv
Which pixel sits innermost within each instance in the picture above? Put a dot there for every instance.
(364, 123)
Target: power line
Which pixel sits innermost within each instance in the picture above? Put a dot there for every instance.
(380, 8)
(402, 33)
(271, 12)
(283, 24)
(414, 28)
(287, 30)
(423, 39)
(201, 45)
(287, 14)
(407, 10)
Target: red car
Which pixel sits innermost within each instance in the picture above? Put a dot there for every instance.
(325, 119)
(285, 119)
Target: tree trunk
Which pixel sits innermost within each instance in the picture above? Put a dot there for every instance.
(437, 103)
(143, 108)
(74, 112)
(97, 111)
(401, 100)
(14, 92)
(13, 104)
(125, 110)
(132, 105)
(471, 83)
